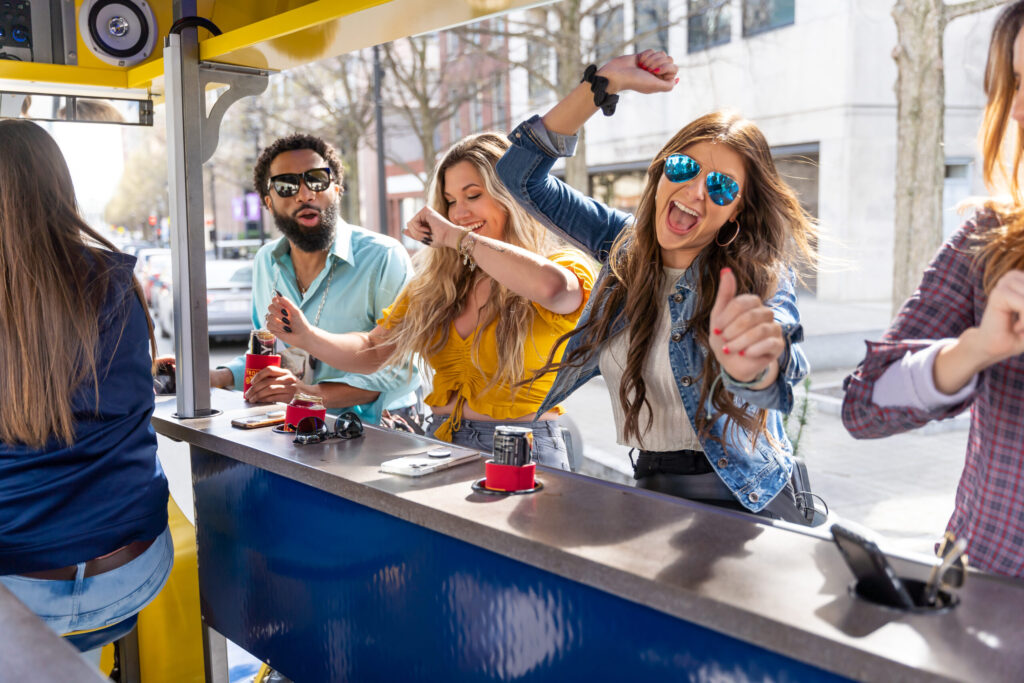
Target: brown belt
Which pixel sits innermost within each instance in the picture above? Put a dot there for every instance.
(118, 558)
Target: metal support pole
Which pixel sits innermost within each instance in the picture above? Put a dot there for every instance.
(215, 655)
(185, 108)
(130, 660)
(191, 139)
(382, 180)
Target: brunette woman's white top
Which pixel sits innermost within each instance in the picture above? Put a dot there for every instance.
(670, 428)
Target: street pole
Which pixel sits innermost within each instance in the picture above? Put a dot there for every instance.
(382, 181)
(213, 213)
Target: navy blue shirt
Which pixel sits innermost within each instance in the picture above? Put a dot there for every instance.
(61, 504)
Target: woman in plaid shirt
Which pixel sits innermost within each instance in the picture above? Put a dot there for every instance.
(958, 341)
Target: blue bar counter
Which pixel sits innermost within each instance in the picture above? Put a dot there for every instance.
(318, 563)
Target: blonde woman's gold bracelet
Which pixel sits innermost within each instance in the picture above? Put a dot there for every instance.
(465, 249)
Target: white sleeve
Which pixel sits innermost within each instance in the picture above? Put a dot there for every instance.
(909, 382)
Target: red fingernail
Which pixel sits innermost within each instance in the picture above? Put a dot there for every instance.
(656, 70)
(725, 270)
(725, 350)
(717, 331)
(743, 352)
(677, 80)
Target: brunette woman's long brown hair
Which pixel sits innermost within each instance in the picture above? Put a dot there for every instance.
(774, 234)
(1002, 249)
(53, 283)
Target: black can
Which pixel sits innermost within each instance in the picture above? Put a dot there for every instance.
(261, 342)
(513, 445)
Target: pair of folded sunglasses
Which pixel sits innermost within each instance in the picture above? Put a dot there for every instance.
(314, 430)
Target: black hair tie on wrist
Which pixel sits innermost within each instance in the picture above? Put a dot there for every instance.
(599, 86)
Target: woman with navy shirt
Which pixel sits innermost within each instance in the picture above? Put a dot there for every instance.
(84, 541)
(693, 318)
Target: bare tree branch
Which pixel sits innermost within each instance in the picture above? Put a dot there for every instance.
(960, 9)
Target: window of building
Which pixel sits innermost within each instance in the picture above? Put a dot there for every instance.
(498, 101)
(955, 189)
(538, 59)
(476, 113)
(766, 15)
(650, 25)
(455, 122)
(798, 165)
(620, 189)
(708, 23)
(608, 31)
(451, 43)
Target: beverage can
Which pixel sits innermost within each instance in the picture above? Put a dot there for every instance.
(513, 445)
(261, 343)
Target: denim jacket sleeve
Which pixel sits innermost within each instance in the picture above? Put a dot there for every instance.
(525, 171)
(793, 365)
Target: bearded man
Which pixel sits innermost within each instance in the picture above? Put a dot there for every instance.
(341, 276)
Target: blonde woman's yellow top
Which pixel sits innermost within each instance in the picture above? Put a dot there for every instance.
(457, 375)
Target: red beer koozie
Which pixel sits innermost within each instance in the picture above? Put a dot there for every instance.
(255, 362)
(509, 477)
(294, 414)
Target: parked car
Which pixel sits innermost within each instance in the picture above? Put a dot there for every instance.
(143, 259)
(156, 275)
(228, 300)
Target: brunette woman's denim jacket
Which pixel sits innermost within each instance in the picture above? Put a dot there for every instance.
(754, 473)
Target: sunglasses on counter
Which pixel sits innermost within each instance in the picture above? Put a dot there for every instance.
(314, 430)
(287, 184)
(722, 189)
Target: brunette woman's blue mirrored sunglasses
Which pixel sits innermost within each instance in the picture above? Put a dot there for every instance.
(722, 189)
(287, 184)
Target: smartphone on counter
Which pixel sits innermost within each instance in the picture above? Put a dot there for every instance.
(273, 417)
(433, 460)
(877, 578)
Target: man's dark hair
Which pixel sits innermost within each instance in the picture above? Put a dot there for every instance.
(261, 174)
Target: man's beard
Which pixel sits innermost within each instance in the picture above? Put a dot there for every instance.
(309, 240)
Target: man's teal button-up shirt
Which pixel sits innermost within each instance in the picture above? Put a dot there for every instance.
(370, 270)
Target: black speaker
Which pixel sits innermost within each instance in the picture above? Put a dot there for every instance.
(119, 32)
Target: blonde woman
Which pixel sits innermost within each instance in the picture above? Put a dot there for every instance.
(693, 320)
(958, 341)
(490, 298)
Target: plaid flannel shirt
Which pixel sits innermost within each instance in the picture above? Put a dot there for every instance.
(989, 508)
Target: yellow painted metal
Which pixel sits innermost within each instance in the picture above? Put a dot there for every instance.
(270, 34)
(60, 73)
(333, 28)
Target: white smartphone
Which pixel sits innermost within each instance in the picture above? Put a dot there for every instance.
(433, 460)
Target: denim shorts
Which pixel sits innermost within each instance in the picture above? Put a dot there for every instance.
(101, 600)
(548, 444)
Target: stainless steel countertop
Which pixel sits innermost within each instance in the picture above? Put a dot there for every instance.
(781, 590)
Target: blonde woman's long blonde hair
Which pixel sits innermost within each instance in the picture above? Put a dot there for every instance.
(1002, 249)
(436, 294)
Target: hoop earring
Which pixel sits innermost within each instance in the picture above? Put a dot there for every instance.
(731, 239)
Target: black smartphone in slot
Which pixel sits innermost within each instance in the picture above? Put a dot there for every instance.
(877, 580)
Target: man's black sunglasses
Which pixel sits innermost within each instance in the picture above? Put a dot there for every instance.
(314, 430)
(287, 184)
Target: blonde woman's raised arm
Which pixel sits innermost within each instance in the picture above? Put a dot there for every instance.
(520, 270)
(362, 352)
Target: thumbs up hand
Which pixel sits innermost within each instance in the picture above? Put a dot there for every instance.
(745, 337)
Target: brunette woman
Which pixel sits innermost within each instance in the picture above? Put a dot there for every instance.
(957, 342)
(83, 502)
(693, 319)
(490, 298)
